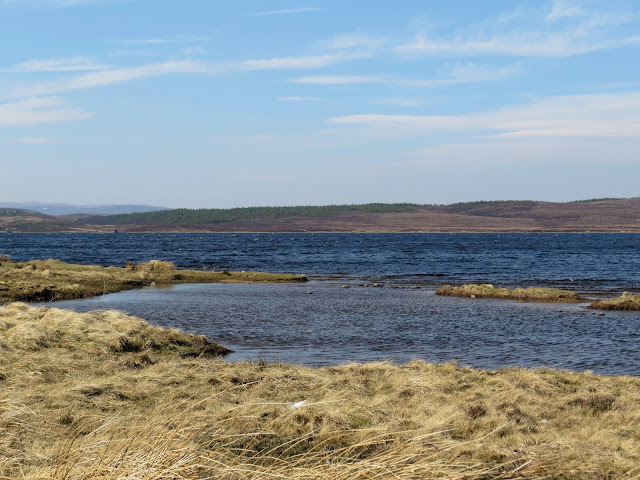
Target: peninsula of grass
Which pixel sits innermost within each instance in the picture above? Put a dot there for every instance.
(48, 280)
(531, 294)
(104, 395)
(626, 301)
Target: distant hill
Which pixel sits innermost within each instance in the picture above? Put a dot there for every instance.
(597, 215)
(57, 209)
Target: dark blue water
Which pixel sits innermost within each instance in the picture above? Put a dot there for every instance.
(582, 262)
(322, 323)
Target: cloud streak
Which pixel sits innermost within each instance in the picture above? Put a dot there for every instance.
(564, 29)
(586, 116)
(35, 111)
(286, 11)
(56, 65)
(185, 67)
(459, 73)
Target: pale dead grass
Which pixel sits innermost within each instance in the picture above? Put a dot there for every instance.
(49, 280)
(75, 405)
(540, 294)
(626, 301)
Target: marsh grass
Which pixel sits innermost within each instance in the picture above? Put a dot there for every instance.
(76, 402)
(626, 301)
(539, 294)
(50, 280)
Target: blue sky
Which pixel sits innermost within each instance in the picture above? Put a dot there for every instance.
(221, 103)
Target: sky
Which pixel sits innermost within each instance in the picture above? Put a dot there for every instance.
(232, 103)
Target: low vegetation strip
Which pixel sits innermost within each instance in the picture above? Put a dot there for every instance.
(539, 294)
(48, 280)
(186, 216)
(626, 301)
(76, 401)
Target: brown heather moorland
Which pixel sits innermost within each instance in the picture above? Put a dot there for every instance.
(606, 215)
(102, 395)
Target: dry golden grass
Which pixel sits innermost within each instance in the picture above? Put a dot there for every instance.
(49, 280)
(77, 403)
(626, 301)
(539, 294)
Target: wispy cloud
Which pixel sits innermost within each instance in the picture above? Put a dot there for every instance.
(113, 76)
(190, 67)
(451, 75)
(161, 40)
(338, 79)
(401, 102)
(56, 65)
(558, 29)
(286, 11)
(353, 40)
(292, 63)
(36, 111)
(33, 140)
(587, 116)
(298, 99)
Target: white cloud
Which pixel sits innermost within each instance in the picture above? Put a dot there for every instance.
(162, 40)
(32, 140)
(458, 73)
(286, 11)
(401, 102)
(34, 111)
(299, 99)
(561, 9)
(113, 76)
(561, 30)
(353, 40)
(313, 61)
(337, 79)
(56, 65)
(120, 75)
(587, 116)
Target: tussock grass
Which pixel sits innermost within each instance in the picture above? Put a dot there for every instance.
(626, 301)
(539, 294)
(49, 280)
(75, 404)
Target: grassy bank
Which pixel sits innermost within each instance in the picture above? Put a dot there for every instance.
(48, 280)
(538, 294)
(78, 402)
(626, 301)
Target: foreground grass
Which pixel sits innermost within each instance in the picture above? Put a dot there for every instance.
(78, 402)
(539, 294)
(48, 280)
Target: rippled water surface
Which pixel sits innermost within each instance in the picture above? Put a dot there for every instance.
(332, 325)
(321, 323)
(586, 262)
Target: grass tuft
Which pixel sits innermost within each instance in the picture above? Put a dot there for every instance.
(538, 294)
(626, 301)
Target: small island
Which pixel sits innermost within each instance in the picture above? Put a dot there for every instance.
(626, 301)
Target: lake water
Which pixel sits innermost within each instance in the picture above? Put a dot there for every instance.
(323, 323)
